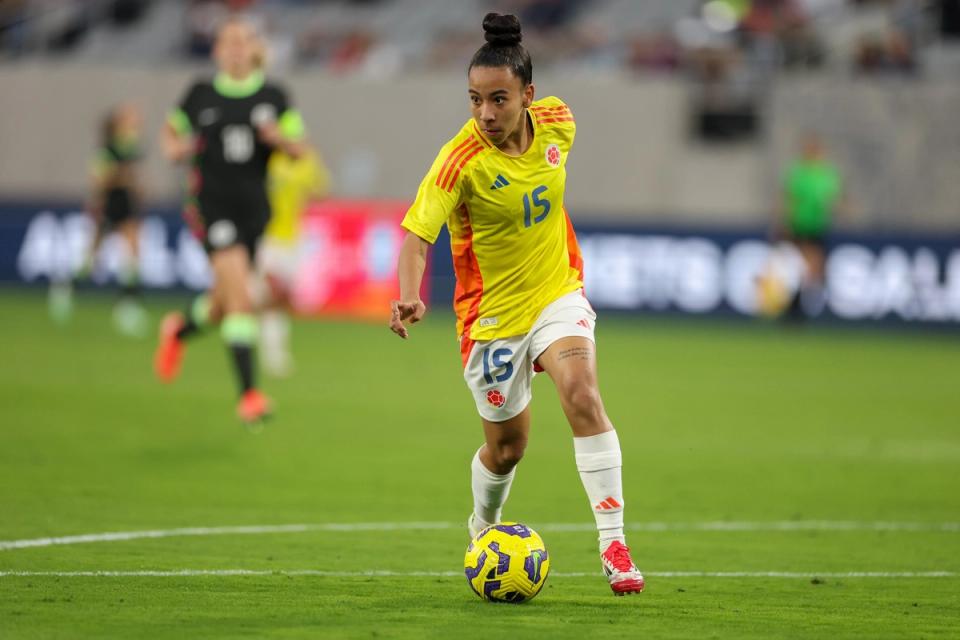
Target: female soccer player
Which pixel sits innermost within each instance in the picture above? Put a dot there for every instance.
(114, 206)
(293, 184)
(498, 185)
(116, 202)
(229, 126)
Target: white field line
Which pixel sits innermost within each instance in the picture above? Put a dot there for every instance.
(181, 573)
(784, 525)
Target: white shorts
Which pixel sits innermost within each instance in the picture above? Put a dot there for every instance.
(500, 372)
(279, 260)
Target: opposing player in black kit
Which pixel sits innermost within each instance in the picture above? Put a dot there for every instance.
(228, 126)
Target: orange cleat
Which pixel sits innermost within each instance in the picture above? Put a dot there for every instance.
(254, 407)
(169, 354)
(623, 575)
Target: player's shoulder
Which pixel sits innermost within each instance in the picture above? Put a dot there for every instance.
(200, 90)
(460, 152)
(201, 85)
(273, 90)
(552, 112)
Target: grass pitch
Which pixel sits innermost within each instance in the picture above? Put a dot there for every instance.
(793, 458)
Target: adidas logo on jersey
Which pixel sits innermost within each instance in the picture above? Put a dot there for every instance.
(499, 182)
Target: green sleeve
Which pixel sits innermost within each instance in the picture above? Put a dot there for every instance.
(291, 125)
(179, 121)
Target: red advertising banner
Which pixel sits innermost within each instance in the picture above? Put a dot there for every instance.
(349, 265)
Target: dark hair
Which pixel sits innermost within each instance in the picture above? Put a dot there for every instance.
(503, 48)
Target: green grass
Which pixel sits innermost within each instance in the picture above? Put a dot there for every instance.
(718, 422)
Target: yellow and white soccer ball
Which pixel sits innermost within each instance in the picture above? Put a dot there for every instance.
(507, 562)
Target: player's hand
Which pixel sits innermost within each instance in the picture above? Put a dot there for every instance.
(411, 312)
(270, 134)
(178, 149)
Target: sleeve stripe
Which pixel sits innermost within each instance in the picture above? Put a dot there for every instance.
(477, 149)
(446, 164)
(469, 146)
(179, 121)
(553, 120)
(561, 107)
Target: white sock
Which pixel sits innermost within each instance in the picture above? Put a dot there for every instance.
(490, 491)
(599, 462)
(275, 340)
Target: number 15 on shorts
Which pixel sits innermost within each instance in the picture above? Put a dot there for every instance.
(496, 361)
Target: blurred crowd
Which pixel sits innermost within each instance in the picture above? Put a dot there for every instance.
(712, 40)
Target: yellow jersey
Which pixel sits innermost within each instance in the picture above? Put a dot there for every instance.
(291, 183)
(514, 249)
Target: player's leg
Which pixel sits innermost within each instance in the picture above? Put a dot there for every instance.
(130, 272)
(205, 310)
(239, 328)
(571, 364)
(276, 267)
(499, 375)
(130, 317)
(813, 298)
(494, 466)
(570, 360)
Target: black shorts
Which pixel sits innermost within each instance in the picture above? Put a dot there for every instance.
(233, 220)
(118, 207)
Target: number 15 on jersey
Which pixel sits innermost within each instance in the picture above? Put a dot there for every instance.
(530, 202)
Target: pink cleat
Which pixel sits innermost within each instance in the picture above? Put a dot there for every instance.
(623, 575)
(254, 407)
(169, 354)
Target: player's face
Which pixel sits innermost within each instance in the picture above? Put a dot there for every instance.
(498, 101)
(129, 121)
(236, 49)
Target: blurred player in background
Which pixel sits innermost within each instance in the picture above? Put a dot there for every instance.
(812, 194)
(499, 186)
(115, 207)
(292, 183)
(229, 127)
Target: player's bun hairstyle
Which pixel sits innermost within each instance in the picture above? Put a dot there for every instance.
(503, 48)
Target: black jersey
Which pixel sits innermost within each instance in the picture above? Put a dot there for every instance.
(115, 166)
(231, 158)
(120, 154)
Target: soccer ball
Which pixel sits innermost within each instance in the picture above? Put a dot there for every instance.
(506, 562)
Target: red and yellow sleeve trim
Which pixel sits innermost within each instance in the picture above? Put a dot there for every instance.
(457, 160)
(552, 115)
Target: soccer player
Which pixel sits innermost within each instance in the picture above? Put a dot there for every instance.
(812, 194)
(229, 127)
(292, 182)
(499, 185)
(114, 206)
(117, 196)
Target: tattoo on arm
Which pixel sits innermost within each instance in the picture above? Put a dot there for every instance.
(580, 353)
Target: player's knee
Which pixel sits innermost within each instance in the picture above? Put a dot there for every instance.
(583, 398)
(508, 454)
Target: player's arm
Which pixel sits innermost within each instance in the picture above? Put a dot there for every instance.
(410, 267)
(286, 134)
(779, 222)
(320, 177)
(176, 137)
(426, 216)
